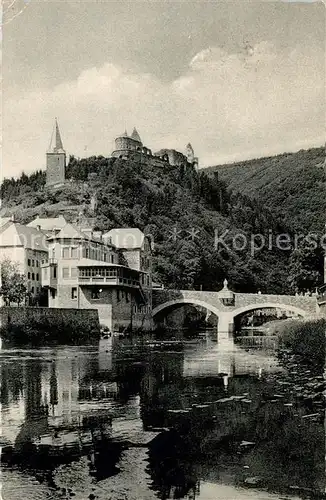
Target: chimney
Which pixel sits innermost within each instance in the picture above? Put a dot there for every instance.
(12, 218)
(38, 227)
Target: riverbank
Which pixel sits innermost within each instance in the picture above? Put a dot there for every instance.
(305, 338)
(35, 326)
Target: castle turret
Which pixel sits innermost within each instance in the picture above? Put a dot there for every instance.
(135, 136)
(191, 158)
(190, 153)
(55, 159)
(126, 145)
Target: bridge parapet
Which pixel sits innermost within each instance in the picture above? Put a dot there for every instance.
(162, 299)
(307, 304)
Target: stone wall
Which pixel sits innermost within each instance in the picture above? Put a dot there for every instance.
(20, 315)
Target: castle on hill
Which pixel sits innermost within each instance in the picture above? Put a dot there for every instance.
(126, 146)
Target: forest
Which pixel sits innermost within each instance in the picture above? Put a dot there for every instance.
(186, 212)
(292, 185)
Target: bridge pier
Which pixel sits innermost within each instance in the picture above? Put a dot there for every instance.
(225, 326)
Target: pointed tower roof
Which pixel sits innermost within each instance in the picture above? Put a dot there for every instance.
(135, 135)
(125, 134)
(189, 146)
(56, 145)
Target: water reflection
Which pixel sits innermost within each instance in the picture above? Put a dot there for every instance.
(205, 416)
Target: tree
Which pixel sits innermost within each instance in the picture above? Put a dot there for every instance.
(13, 287)
(306, 269)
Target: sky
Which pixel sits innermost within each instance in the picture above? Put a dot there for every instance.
(238, 79)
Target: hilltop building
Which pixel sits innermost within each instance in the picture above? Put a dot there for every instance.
(125, 144)
(125, 147)
(131, 146)
(55, 160)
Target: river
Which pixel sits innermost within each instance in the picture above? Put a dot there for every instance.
(215, 422)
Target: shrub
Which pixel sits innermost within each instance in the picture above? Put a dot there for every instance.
(306, 338)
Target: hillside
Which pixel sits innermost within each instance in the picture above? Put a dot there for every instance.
(292, 185)
(185, 211)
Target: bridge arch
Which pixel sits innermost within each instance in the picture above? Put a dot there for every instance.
(193, 302)
(269, 305)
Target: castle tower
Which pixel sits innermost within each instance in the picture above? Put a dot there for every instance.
(190, 153)
(55, 159)
(126, 145)
(191, 158)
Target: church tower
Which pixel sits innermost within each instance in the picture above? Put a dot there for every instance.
(55, 159)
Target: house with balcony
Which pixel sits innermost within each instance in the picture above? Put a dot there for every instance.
(87, 271)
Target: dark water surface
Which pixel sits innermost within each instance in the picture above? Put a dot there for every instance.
(211, 422)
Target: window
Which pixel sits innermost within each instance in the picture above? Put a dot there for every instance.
(112, 259)
(65, 272)
(74, 272)
(37, 277)
(29, 276)
(37, 264)
(28, 262)
(74, 253)
(33, 263)
(65, 253)
(32, 289)
(33, 276)
(87, 253)
(74, 293)
(54, 272)
(118, 295)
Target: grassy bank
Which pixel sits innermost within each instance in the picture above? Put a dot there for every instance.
(43, 325)
(44, 332)
(306, 338)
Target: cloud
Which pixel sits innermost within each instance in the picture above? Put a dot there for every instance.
(256, 102)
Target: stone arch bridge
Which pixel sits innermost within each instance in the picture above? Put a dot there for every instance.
(226, 311)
